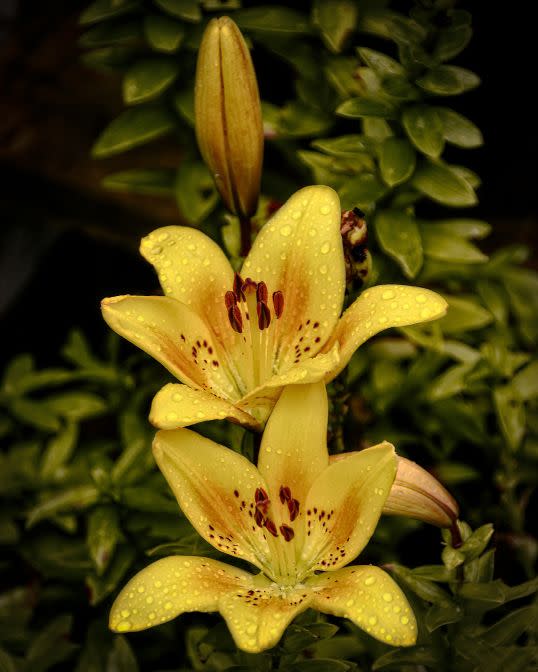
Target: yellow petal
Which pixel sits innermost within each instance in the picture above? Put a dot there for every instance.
(379, 308)
(171, 586)
(216, 488)
(299, 252)
(180, 406)
(193, 269)
(344, 505)
(258, 615)
(293, 451)
(174, 335)
(310, 371)
(370, 598)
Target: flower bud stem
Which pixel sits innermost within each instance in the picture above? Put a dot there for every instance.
(245, 225)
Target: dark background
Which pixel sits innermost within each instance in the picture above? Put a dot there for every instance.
(65, 242)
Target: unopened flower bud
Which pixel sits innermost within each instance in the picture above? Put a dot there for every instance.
(415, 493)
(228, 116)
(354, 234)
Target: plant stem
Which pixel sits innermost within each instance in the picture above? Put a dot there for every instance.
(245, 226)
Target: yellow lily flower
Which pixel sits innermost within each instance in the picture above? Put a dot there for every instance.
(296, 518)
(235, 340)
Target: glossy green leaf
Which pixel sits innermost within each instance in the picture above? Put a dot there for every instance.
(147, 79)
(336, 21)
(440, 244)
(492, 592)
(76, 405)
(141, 498)
(462, 227)
(391, 26)
(525, 382)
(399, 236)
(102, 536)
(121, 658)
(153, 182)
(272, 19)
(78, 498)
(476, 544)
(510, 414)
(116, 59)
(450, 383)
(380, 63)
(107, 9)
(133, 128)
(442, 184)
(422, 656)
(437, 573)
(163, 33)
(439, 615)
(18, 368)
(397, 160)
(458, 130)
(51, 646)
(448, 80)
(99, 587)
(355, 108)
(343, 145)
(111, 33)
(424, 128)
(451, 41)
(464, 314)
(188, 10)
(59, 450)
(184, 104)
(399, 88)
(362, 190)
(36, 414)
(195, 191)
(508, 629)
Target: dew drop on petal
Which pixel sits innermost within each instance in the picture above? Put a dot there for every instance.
(387, 597)
(285, 231)
(388, 294)
(369, 581)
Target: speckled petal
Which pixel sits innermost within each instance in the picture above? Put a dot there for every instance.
(174, 335)
(215, 488)
(299, 252)
(171, 586)
(370, 598)
(379, 308)
(180, 406)
(193, 269)
(258, 615)
(344, 505)
(293, 451)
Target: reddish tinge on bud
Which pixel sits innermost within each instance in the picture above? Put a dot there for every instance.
(228, 116)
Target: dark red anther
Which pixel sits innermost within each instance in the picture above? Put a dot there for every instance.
(238, 287)
(259, 518)
(262, 501)
(248, 286)
(293, 508)
(287, 532)
(264, 315)
(284, 494)
(234, 315)
(278, 303)
(230, 300)
(271, 527)
(260, 495)
(261, 292)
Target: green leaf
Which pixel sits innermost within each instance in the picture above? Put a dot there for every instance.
(464, 228)
(114, 59)
(510, 414)
(427, 590)
(52, 645)
(151, 182)
(343, 145)
(163, 34)
(397, 160)
(441, 183)
(195, 191)
(35, 413)
(380, 63)
(458, 130)
(147, 499)
(448, 80)
(365, 107)
(103, 535)
(424, 127)
(188, 10)
(107, 9)
(320, 665)
(336, 21)
(391, 26)
(147, 79)
(399, 237)
(76, 405)
(59, 450)
(74, 499)
(493, 592)
(422, 656)
(437, 573)
(476, 544)
(184, 104)
(451, 41)
(510, 628)
(450, 383)
(133, 128)
(19, 367)
(440, 244)
(399, 88)
(525, 382)
(122, 658)
(111, 33)
(100, 587)
(439, 615)
(464, 314)
(7, 663)
(452, 558)
(272, 20)
(298, 637)
(362, 190)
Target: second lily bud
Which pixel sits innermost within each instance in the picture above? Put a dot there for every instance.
(229, 126)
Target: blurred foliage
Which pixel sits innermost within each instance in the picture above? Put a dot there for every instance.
(364, 104)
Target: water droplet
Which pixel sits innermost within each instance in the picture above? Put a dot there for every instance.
(323, 269)
(372, 620)
(387, 597)
(425, 313)
(251, 629)
(369, 581)
(168, 606)
(404, 620)
(151, 616)
(325, 247)
(206, 262)
(324, 209)
(158, 584)
(285, 231)
(171, 416)
(163, 236)
(296, 215)
(312, 233)
(125, 613)
(388, 294)
(156, 249)
(350, 603)
(420, 298)
(123, 626)
(149, 599)
(177, 397)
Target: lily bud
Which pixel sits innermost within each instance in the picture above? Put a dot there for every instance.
(228, 116)
(415, 493)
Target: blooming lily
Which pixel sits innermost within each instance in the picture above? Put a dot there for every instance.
(296, 517)
(235, 340)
